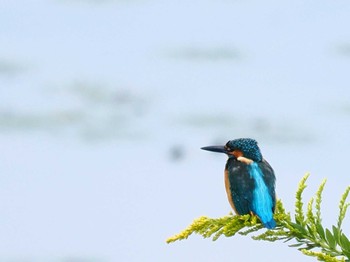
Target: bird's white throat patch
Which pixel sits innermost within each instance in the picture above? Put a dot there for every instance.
(245, 160)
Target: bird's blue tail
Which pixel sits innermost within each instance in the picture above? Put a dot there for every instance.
(270, 224)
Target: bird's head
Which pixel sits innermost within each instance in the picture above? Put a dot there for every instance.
(242, 147)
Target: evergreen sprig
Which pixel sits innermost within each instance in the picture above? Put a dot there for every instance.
(306, 230)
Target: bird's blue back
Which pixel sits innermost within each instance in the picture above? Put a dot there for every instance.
(252, 189)
(262, 204)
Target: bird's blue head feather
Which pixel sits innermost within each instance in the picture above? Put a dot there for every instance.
(249, 147)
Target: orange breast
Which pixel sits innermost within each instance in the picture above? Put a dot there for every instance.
(228, 192)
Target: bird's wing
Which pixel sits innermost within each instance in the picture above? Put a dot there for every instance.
(241, 186)
(269, 179)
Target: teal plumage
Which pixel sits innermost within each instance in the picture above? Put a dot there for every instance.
(249, 180)
(262, 203)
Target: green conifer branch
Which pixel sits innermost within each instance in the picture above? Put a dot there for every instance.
(299, 213)
(343, 206)
(319, 200)
(306, 230)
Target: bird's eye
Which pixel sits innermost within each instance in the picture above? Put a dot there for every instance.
(228, 148)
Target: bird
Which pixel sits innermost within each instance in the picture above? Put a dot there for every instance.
(249, 180)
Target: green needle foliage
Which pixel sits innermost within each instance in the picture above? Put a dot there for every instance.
(305, 230)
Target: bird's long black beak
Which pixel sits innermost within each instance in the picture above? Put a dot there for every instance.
(218, 149)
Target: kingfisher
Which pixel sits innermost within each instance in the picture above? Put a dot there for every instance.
(249, 180)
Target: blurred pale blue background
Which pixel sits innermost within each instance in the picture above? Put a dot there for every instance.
(105, 104)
